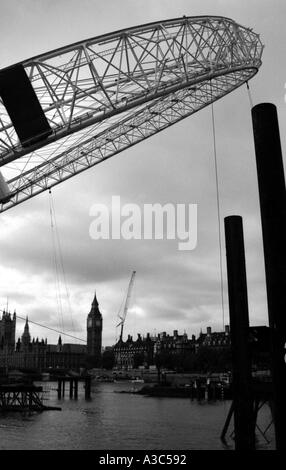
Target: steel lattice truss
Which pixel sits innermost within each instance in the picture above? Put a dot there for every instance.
(105, 94)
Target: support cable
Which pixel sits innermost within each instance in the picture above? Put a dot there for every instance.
(56, 267)
(218, 211)
(58, 241)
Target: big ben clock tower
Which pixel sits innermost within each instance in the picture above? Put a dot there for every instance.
(94, 332)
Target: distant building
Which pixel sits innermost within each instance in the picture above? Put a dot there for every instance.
(214, 339)
(94, 333)
(143, 350)
(37, 354)
(174, 344)
(129, 353)
(7, 332)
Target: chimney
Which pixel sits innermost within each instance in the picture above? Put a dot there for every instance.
(227, 329)
(175, 333)
(209, 331)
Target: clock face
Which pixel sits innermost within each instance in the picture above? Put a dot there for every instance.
(97, 323)
(89, 322)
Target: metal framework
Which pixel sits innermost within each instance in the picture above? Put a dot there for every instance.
(22, 397)
(103, 95)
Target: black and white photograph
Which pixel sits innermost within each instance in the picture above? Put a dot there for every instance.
(143, 228)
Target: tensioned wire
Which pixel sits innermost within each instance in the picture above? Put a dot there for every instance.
(218, 207)
(218, 196)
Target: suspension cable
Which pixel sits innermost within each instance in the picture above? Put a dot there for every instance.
(218, 209)
(58, 242)
(55, 263)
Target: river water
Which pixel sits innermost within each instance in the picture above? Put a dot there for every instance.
(111, 420)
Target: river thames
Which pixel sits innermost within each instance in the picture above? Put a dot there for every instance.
(111, 420)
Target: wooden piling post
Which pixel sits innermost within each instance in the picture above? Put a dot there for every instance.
(75, 388)
(59, 389)
(271, 185)
(87, 387)
(239, 330)
(71, 388)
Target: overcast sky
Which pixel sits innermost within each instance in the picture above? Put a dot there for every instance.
(173, 289)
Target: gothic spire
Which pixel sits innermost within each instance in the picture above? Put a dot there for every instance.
(94, 302)
(26, 328)
(26, 338)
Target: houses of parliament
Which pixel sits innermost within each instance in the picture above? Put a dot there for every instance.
(35, 354)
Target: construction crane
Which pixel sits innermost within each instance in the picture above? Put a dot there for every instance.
(126, 306)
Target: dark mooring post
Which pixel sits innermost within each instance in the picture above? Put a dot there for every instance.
(76, 388)
(87, 387)
(244, 427)
(71, 388)
(271, 184)
(59, 389)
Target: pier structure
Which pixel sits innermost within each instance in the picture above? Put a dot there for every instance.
(73, 386)
(22, 397)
